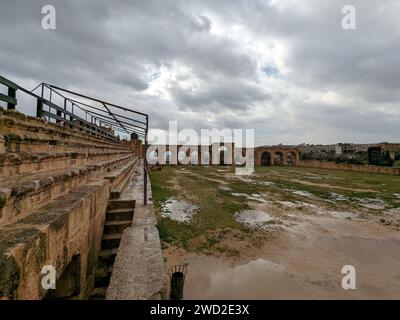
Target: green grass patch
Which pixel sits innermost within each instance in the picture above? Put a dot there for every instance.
(216, 209)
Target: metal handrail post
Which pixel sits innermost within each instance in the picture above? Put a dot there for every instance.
(145, 162)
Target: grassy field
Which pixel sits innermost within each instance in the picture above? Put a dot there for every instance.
(219, 195)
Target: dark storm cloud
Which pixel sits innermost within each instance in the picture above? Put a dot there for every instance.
(94, 38)
(181, 60)
(235, 95)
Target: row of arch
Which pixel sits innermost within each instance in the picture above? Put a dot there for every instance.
(271, 157)
(221, 155)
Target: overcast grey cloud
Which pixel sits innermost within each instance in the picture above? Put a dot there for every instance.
(285, 68)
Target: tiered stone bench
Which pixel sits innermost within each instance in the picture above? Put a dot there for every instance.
(55, 185)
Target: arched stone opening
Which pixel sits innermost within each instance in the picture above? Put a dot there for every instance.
(168, 156)
(181, 157)
(194, 158)
(291, 158)
(68, 285)
(152, 157)
(266, 159)
(206, 158)
(278, 158)
(223, 155)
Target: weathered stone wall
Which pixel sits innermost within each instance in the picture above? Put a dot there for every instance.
(71, 226)
(349, 167)
(284, 153)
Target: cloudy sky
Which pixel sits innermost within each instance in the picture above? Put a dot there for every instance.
(286, 68)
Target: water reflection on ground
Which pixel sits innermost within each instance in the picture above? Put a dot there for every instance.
(210, 278)
(178, 210)
(253, 218)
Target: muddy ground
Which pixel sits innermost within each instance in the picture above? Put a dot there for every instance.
(283, 233)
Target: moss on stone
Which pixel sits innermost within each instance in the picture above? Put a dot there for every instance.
(15, 114)
(12, 137)
(3, 200)
(10, 275)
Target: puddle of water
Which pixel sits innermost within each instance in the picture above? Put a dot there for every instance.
(302, 193)
(372, 203)
(253, 197)
(338, 197)
(209, 278)
(314, 177)
(178, 210)
(258, 199)
(308, 205)
(253, 218)
(288, 204)
(260, 203)
(395, 212)
(261, 200)
(235, 194)
(342, 214)
(266, 183)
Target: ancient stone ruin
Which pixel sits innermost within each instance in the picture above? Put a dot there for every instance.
(222, 154)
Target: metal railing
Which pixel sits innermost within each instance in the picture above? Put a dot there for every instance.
(92, 116)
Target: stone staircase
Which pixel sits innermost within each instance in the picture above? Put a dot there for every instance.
(119, 216)
(138, 268)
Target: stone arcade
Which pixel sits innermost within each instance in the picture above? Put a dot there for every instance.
(222, 154)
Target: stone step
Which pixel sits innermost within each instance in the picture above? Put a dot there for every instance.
(123, 214)
(26, 133)
(104, 270)
(117, 190)
(16, 164)
(103, 275)
(111, 241)
(107, 257)
(98, 294)
(27, 193)
(139, 262)
(27, 142)
(119, 177)
(102, 282)
(120, 204)
(115, 226)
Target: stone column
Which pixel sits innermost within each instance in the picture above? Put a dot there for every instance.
(199, 155)
(215, 153)
(257, 157)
